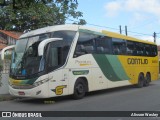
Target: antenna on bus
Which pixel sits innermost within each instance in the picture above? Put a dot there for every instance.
(126, 31)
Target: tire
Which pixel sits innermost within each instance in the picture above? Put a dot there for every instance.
(79, 89)
(147, 80)
(140, 81)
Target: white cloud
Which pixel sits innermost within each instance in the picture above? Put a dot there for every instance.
(151, 39)
(114, 8)
(137, 15)
(147, 38)
(138, 18)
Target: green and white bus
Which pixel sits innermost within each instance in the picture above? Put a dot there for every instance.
(72, 60)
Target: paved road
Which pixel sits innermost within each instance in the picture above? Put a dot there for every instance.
(127, 98)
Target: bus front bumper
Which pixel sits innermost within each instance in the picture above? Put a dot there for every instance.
(36, 92)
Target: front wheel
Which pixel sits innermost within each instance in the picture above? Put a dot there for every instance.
(79, 89)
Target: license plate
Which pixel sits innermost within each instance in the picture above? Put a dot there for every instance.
(21, 93)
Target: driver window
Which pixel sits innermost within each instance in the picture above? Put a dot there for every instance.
(53, 57)
(57, 54)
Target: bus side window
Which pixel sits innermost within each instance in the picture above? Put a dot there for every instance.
(130, 48)
(85, 44)
(116, 50)
(153, 50)
(139, 49)
(147, 50)
(119, 46)
(103, 45)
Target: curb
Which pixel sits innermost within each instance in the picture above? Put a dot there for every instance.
(6, 97)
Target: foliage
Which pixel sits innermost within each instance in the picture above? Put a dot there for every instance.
(20, 15)
(8, 56)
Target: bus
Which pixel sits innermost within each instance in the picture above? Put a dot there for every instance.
(73, 60)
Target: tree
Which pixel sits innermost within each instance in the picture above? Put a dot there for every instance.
(22, 15)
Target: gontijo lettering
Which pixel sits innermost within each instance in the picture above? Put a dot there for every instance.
(137, 61)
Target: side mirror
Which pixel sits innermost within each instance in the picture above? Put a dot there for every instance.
(44, 43)
(5, 49)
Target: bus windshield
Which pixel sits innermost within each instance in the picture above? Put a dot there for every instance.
(25, 59)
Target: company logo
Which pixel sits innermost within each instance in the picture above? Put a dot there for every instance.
(83, 63)
(21, 114)
(80, 72)
(137, 61)
(59, 89)
(6, 114)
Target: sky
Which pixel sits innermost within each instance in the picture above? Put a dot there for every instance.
(142, 17)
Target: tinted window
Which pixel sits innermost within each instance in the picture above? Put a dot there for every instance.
(130, 50)
(147, 50)
(58, 50)
(153, 50)
(118, 46)
(103, 45)
(57, 54)
(85, 44)
(44, 36)
(66, 35)
(139, 49)
(96, 44)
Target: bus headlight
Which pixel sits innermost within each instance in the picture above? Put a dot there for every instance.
(40, 82)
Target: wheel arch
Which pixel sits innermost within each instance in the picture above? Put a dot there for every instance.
(85, 80)
(148, 73)
(80, 88)
(72, 85)
(140, 80)
(142, 74)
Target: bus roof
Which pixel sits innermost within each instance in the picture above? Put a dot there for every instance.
(50, 29)
(116, 35)
(77, 27)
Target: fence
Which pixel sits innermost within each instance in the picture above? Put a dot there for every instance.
(4, 88)
(6, 66)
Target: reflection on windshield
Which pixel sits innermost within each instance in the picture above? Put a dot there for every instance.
(25, 59)
(21, 45)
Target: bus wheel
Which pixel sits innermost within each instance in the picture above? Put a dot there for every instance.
(147, 80)
(140, 81)
(79, 89)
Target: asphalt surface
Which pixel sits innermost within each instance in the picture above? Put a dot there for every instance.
(127, 98)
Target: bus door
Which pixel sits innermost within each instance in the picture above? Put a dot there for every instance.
(58, 80)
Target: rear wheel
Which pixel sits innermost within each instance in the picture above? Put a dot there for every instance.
(140, 81)
(147, 80)
(79, 89)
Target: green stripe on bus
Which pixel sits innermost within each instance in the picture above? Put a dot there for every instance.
(31, 81)
(117, 67)
(111, 67)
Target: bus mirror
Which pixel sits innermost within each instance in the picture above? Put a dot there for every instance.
(42, 45)
(5, 49)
